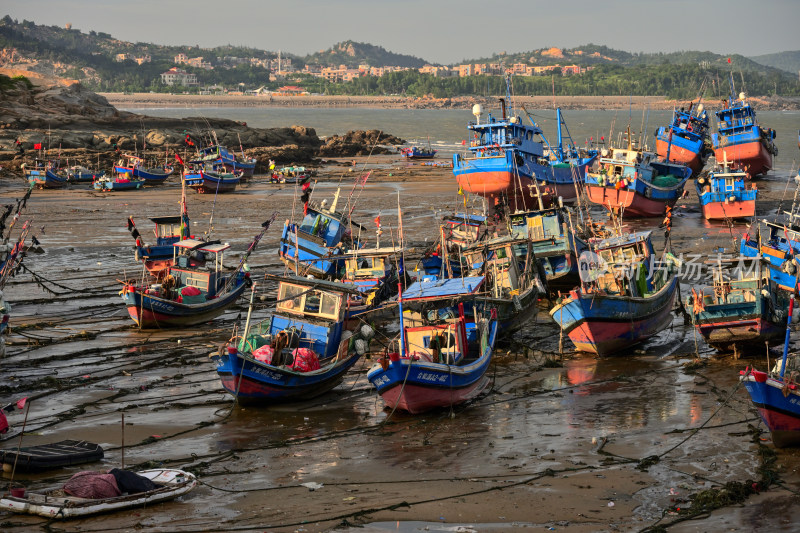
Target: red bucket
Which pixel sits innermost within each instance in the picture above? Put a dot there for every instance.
(18, 492)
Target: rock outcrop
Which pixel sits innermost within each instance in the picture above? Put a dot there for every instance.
(79, 123)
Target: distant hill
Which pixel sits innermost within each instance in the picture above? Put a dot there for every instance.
(788, 61)
(352, 54)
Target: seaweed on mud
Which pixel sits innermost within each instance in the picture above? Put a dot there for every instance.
(647, 462)
(693, 366)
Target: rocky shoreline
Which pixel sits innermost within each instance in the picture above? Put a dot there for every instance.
(83, 126)
(145, 100)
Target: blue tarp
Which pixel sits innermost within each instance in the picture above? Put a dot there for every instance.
(443, 288)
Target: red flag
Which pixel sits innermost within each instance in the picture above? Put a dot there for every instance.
(378, 220)
(729, 60)
(179, 159)
(463, 142)
(37, 146)
(21, 403)
(3, 422)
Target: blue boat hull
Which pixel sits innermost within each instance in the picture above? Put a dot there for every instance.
(778, 404)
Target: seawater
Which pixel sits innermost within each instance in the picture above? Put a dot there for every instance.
(446, 129)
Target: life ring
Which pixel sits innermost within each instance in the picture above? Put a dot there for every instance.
(288, 304)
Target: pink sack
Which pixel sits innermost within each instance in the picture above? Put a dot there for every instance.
(305, 360)
(264, 354)
(92, 485)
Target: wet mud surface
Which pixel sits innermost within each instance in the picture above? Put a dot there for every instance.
(557, 441)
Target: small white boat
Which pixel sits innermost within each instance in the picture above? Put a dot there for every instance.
(56, 504)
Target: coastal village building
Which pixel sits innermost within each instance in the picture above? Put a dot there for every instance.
(176, 76)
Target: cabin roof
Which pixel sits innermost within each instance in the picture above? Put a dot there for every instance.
(465, 218)
(166, 220)
(623, 240)
(373, 252)
(443, 288)
(202, 246)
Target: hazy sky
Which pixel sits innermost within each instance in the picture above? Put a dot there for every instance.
(439, 31)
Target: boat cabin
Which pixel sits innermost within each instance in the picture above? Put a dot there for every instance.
(494, 136)
(735, 281)
(434, 329)
(170, 230)
(543, 225)
(737, 118)
(366, 268)
(623, 265)
(463, 229)
(208, 281)
(502, 265)
(311, 311)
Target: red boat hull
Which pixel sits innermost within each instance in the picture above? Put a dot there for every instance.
(723, 210)
(627, 201)
(752, 157)
(680, 155)
(416, 399)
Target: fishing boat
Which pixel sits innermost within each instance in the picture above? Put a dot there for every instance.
(57, 504)
(46, 174)
(138, 168)
(169, 230)
(120, 182)
(417, 152)
(373, 272)
(79, 173)
(686, 140)
(233, 162)
(212, 182)
(633, 182)
(315, 246)
(553, 243)
(443, 353)
(511, 163)
(49, 456)
(444, 259)
(301, 351)
(741, 309)
(620, 302)
(724, 194)
(740, 139)
(512, 280)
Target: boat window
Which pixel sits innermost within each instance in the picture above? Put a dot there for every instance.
(290, 297)
(328, 307)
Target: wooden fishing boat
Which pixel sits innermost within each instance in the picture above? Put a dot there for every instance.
(48, 456)
(51, 178)
(776, 395)
(121, 182)
(212, 182)
(233, 162)
(79, 173)
(634, 183)
(138, 168)
(620, 303)
(734, 314)
(724, 195)
(315, 246)
(506, 163)
(56, 504)
(301, 351)
(372, 271)
(741, 140)
(513, 281)
(686, 140)
(455, 232)
(553, 243)
(417, 152)
(186, 295)
(444, 354)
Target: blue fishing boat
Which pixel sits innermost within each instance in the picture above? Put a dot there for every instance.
(511, 163)
(118, 183)
(46, 174)
(620, 302)
(233, 162)
(212, 182)
(443, 354)
(553, 243)
(186, 295)
(79, 173)
(138, 168)
(741, 309)
(634, 183)
(315, 246)
(456, 232)
(741, 141)
(724, 194)
(686, 140)
(776, 394)
(301, 351)
(779, 244)
(416, 152)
